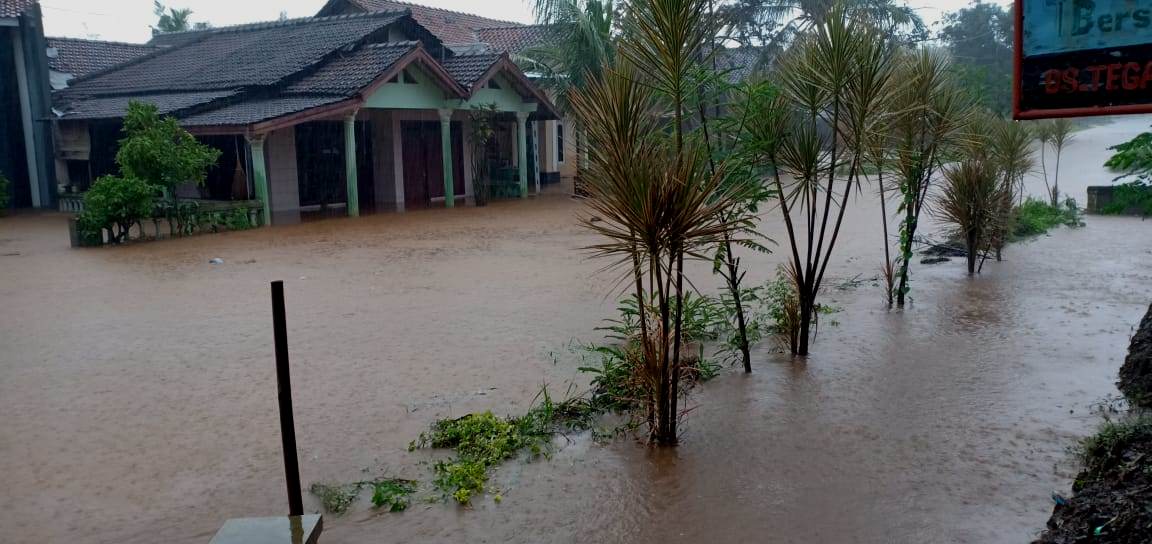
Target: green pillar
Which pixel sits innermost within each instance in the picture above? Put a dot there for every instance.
(260, 174)
(446, 152)
(350, 166)
(522, 150)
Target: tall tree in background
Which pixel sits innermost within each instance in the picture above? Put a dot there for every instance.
(583, 48)
(773, 24)
(979, 39)
(173, 19)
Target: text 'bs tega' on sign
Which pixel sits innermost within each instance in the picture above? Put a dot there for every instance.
(1082, 57)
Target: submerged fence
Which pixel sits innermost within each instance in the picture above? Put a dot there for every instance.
(182, 217)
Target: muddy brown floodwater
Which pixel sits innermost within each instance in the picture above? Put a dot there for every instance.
(138, 402)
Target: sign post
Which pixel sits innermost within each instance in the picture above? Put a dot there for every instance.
(1082, 57)
(284, 390)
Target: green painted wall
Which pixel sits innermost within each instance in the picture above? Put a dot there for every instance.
(425, 94)
(505, 98)
(422, 95)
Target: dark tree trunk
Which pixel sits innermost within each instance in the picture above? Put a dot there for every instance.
(734, 287)
(973, 253)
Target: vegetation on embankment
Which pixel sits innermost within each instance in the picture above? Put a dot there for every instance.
(1113, 493)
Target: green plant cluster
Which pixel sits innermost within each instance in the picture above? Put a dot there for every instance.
(1133, 158)
(1034, 217)
(393, 493)
(157, 150)
(618, 382)
(155, 156)
(115, 204)
(483, 441)
(1104, 451)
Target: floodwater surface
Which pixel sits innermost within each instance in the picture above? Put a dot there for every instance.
(138, 397)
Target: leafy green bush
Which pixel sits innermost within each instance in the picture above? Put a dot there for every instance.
(115, 204)
(1132, 158)
(159, 151)
(1131, 197)
(482, 441)
(391, 492)
(1035, 217)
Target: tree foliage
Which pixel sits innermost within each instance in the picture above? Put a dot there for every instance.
(158, 151)
(174, 19)
(116, 204)
(774, 24)
(583, 46)
(979, 39)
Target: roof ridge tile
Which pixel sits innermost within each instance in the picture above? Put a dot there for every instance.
(263, 25)
(443, 10)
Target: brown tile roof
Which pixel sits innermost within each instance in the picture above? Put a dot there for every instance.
(14, 8)
(114, 107)
(257, 110)
(452, 27)
(347, 73)
(515, 39)
(234, 77)
(82, 57)
(468, 69)
(232, 57)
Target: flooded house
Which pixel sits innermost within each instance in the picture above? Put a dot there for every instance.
(344, 113)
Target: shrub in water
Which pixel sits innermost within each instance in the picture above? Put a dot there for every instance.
(115, 204)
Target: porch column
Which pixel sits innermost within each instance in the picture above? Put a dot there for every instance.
(260, 174)
(522, 149)
(535, 155)
(446, 152)
(350, 173)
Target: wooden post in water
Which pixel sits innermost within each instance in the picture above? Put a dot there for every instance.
(284, 389)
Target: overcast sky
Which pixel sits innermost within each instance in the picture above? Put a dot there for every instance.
(129, 20)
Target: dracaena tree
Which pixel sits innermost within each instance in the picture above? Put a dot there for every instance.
(969, 200)
(656, 199)
(929, 120)
(813, 139)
